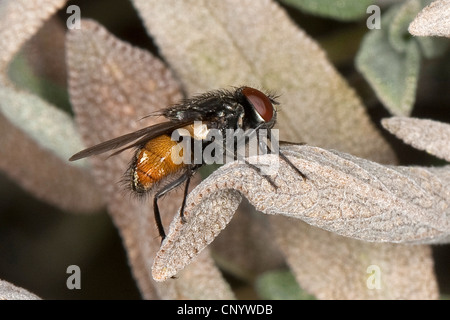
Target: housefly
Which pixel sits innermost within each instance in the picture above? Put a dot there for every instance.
(153, 168)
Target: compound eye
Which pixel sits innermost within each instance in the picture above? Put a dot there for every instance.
(260, 102)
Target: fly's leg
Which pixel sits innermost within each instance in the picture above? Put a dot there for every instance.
(191, 171)
(258, 170)
(282, 156)
(158, 195)
(185, 177)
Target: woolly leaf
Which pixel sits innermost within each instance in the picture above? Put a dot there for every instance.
(390, 63)
(343, 194)
(432, 20)
(345, 10)
(19, 20)
(335, 267)
(428, 135)
(8, 291)
(50, 127)
(39, 138)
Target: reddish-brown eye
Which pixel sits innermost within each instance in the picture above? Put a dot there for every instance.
(260, 102)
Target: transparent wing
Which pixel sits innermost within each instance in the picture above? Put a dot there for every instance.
(141, 136)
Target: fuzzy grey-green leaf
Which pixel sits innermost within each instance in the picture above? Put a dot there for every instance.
(345, 10)
(50, 127)
(19, 20)
(336, 267)
(8, 291)
(390, 64)
(32, 131)
(343, 194)
(423, 134)
(432, 20)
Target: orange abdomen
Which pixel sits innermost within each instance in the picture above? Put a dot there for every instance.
(154, 162)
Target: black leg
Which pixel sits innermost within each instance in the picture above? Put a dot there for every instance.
(252, 166)
(189, 174)
(158, 221)
(184, 177)
(158, 195)
(282, 156)
(258, 170)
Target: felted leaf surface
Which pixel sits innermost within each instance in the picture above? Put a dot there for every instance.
(40, 66)
(32, 158)
(246, 247)
(390, 63)
(345, 10)
(48, 64)
(220, 44)
(433, 20)
(51, 128)
(334, 267)
(428, 135)
(37, 136)
(343, 194)
(19, 20)
(399, 39)
(8, 291)
(112, 86)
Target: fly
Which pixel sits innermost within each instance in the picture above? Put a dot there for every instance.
(153, 168)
